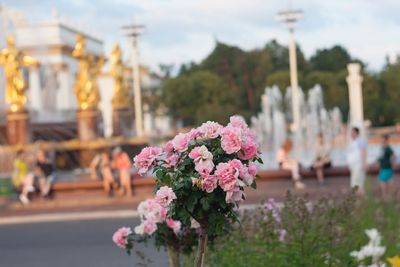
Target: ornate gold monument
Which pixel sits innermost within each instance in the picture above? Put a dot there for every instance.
(122, 113)
(13, 60)
(87, 94)
(86, 87)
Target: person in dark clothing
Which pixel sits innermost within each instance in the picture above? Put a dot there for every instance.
(385, 176)
(44, 170)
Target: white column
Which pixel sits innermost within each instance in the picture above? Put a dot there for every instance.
(294, 82)
(65, 90)
(35, 92)
(136, 89)
(354, 80)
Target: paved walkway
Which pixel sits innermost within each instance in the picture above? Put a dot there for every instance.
(84, 202)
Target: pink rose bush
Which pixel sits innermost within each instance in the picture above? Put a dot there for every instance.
(202, 174)
(200, 181)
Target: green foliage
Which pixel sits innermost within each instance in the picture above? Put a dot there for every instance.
(230, 81)
(198, 96)
(321, 233)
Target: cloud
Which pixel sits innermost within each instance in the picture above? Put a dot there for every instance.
(179, 31)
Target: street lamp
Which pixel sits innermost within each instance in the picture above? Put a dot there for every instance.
(134, 31)
(289, 18)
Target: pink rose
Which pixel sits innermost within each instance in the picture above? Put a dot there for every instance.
(174, 225)
(210, 129)
(146, 159)
(204, 167)
(237, 122)
(120, 237)
(169, 147)
(202, 159)
(181, 142)
(149, 226)
(231, 139)
(171, 160)
(194, 133)
(209, 183)
(234, 195)
(165, 195)
(252, 168)
(249, 150)
(227, 176)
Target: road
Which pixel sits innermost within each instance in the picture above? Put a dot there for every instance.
(70, 244)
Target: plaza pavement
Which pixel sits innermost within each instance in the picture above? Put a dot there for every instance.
(94, 204)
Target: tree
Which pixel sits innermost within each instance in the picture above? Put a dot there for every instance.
(198, 97)
(331, 59)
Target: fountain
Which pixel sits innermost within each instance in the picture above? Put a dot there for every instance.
(271, 123)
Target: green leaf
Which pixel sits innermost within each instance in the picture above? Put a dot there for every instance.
(253, 185)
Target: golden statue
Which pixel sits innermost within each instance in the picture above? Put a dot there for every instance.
(13, 60)
(86, 87)
(121, 96)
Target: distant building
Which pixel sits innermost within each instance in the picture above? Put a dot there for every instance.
(50, 95)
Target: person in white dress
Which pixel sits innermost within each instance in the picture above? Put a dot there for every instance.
(357, 160)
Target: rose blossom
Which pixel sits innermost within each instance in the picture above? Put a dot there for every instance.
(249, 149)
(194, 133)
(234, 195)
(181, 142)
(149, 226)
(171, 160)
(210, 129)
(146, 158)
(174, 225)
(231, 139)
(246, 176)
(202, 159)
(252, 168)
(209, 183)
(204, 167)
(165, 195)
(169, 147)
(200, 153)
(227, 176)
(238, 122)
(120, 237)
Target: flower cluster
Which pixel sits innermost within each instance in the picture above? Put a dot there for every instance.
(372, 250)
(274, 211)
(121, 237)
(205, 146)
(154, 211)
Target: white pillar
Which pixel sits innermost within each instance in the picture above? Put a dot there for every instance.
(35, 92)
(65, 91)
(354, 80)
(136, 89)
(294, 82)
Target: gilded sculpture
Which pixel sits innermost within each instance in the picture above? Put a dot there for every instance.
(13, 60)
(86, 88)
(121, 96)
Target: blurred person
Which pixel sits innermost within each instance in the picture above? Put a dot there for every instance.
(22, 178)
(357, 160)
(322, 158)
(287, 163)
(122, 164)
(386, 163)
(45, 172)
(95, 168)
(106, 172)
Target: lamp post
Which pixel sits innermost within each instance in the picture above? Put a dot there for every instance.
(133, 31)
(289, 18)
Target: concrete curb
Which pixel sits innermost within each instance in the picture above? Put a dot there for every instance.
(81, 216)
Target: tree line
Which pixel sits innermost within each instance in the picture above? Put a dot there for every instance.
(231, 81)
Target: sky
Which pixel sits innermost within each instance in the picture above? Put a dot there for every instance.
(179, 31)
